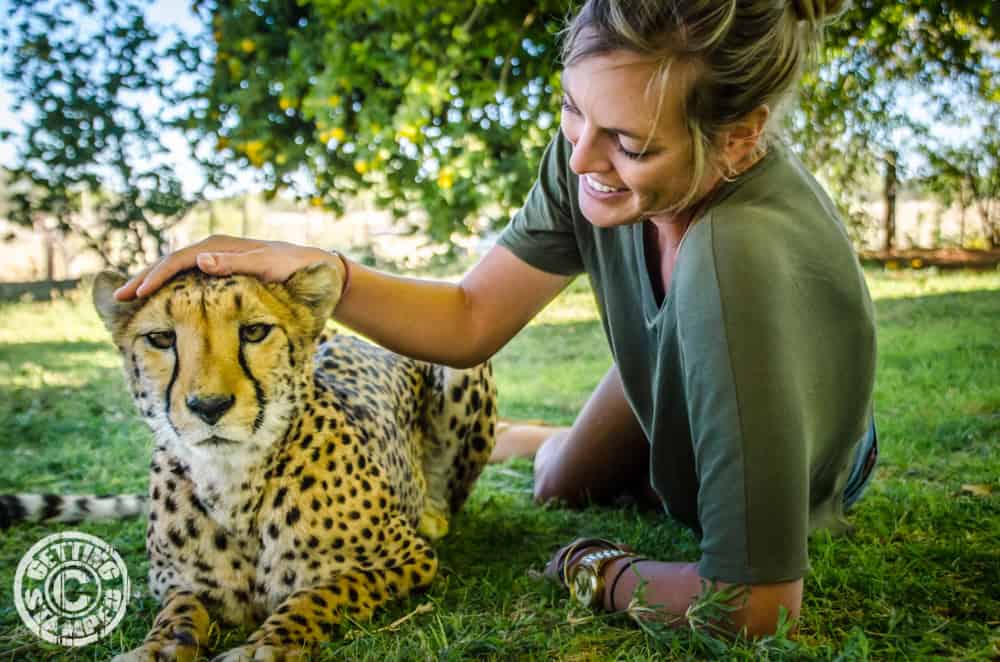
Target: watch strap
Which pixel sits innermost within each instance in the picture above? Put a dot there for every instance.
(597, 560)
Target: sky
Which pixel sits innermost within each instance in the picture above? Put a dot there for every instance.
(161, 14)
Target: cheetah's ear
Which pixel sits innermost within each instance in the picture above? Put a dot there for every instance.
(115, 314)
(317, 287)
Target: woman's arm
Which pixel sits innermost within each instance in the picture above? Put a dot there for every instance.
(671, 588)
(459, 324)
(674, 586)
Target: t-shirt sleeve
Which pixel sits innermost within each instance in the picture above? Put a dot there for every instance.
(542, 232)
(722, 388)
(771, 355)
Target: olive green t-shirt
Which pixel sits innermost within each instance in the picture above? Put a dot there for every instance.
(753, 378)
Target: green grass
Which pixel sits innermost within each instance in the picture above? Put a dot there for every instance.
(918, 578)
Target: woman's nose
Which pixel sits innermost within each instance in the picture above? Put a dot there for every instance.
(589, 153)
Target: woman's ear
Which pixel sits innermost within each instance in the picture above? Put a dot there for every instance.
(741, 139)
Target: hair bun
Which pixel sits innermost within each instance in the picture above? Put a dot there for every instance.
(817, 12)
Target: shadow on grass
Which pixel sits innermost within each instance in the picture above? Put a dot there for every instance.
(502, 514)
(53, 356)
(936, 306)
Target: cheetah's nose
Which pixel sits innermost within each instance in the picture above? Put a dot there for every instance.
(210, 408)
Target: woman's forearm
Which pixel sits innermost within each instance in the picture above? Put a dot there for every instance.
(458, 324)
(427, 320)
(671, 588)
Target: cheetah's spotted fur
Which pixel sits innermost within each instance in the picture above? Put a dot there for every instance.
(292, 483)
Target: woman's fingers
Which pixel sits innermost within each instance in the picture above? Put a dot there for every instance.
(127, 291)
(221, 256)
(150, 279)
(162, 271)
(266, 263)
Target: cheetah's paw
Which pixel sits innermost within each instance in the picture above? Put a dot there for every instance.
(156, 651)
(259, 653)
(433, 526)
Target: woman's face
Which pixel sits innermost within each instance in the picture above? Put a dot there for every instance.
(608, 116)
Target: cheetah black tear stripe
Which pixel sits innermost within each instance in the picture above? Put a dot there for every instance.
(170, 388)
(258, 390)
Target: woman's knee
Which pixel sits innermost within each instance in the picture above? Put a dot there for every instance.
(552, 482)
(599, 458)
(550, 488)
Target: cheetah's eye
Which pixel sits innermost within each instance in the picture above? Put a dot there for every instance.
(161, 339)
(255, 332)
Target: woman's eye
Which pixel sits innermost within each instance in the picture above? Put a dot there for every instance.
(569, 107)
(161, 339)
(255, 332)
(635, 156)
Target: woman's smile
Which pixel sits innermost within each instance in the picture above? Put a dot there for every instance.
(596, 188)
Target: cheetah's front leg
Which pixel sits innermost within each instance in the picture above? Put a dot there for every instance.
(179, 632)
(310, 615)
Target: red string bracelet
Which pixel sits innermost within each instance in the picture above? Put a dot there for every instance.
(347, 272)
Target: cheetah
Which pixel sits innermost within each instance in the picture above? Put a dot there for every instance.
(298, 477)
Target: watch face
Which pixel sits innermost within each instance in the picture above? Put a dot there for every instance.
(584, 585)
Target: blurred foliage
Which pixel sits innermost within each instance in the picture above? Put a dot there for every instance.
(87, 78)
(444, 107)
(440, 110)
(437, 107)
(889, 75)
(969, 175)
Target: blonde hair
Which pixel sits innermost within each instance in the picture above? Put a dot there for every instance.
(740, 55)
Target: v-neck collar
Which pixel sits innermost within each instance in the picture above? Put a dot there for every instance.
(653, 311)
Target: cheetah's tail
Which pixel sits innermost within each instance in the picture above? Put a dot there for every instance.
(65, 508)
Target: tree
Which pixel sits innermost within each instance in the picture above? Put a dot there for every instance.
(446, 106)
(890, 73)
(439, 107)
(90, 160)
(969, 174)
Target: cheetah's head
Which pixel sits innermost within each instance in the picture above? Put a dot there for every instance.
(216, 364)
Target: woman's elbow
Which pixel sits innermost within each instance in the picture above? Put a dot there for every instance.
(759, 614)
(472, 349)
(465, 359)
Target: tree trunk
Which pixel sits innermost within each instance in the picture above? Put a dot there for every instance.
(891, 184)
(50, 255)
(48, 248)
(991, 225)
(961, 229)
(986, 201)
(963, 203)
(245, 230)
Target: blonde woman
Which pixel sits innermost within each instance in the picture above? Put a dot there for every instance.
(739, 321)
